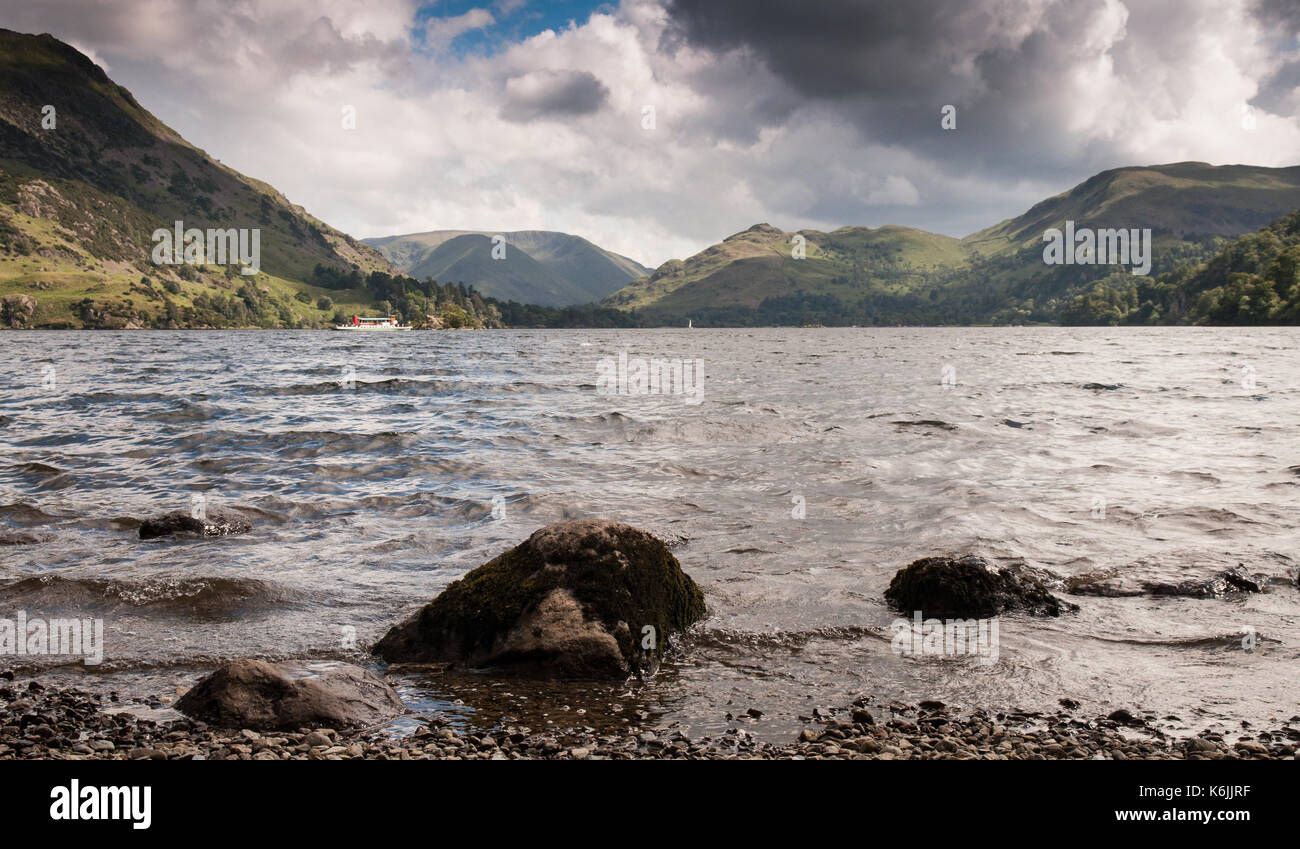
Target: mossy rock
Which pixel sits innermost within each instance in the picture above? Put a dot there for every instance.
(575, 600)
(963, 587)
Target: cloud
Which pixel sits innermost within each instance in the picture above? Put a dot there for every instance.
(804, 113)
(1039, 85)
(439, 33)
(553, 94)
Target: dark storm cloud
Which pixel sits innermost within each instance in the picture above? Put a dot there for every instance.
(836, 49)
(1019, 72)
(1283, 12)
(1278, 92)
(553, 95)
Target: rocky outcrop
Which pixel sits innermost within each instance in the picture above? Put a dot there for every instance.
(216, 523)
(587, 599)
(965, 587)
(265, 696)
(16, 310)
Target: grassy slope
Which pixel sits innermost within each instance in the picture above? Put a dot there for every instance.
(79, 202)
(758, 263)
(997, 272)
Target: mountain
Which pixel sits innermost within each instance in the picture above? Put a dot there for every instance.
(84, 188)
(539, 266)
(1184, 201)
(759, 264)
(857, 275)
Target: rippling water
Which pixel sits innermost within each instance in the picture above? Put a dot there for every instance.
(1147, 454)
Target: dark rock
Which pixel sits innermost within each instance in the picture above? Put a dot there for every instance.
(266, 696)
(1235, 580)
(1124, 717)
(927, 423)
(943, 587)
(217, 523)
(1128, 582)
(575, 600)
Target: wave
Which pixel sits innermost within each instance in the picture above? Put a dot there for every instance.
(735, 638)
(21, 513)
(204, 598)
(400, 385)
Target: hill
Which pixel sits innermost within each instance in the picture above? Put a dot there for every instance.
(1252, 279)
(889, 275)
(83, 188)
(539, 267)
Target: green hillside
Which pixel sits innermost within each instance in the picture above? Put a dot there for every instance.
(79, 202)
(760, 264)
(1252, 279)
(893, 275)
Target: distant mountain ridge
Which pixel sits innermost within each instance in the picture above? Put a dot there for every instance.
(539, 267)
(859, 275)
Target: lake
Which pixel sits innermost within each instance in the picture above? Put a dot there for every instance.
(802, 470)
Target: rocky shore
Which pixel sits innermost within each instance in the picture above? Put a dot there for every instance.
(590, 600)
(39, 722)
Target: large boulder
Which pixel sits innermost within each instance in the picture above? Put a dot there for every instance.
(215, 523)
(271, 696)
(968, 587)
(586, 599)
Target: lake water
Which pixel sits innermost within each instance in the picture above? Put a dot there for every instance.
(377, 468)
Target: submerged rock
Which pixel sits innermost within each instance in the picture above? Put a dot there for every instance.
(1120, 584)
(581, 599)
(1235, 580)
(217, 523)
(261, 696)
(964, 587)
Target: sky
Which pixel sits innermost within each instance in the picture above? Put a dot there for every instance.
(655, 128)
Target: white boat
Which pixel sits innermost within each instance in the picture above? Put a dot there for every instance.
(373, 323)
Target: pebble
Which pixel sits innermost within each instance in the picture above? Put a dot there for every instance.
(53, 723)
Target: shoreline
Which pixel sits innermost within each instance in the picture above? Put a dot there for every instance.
(39, 722)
